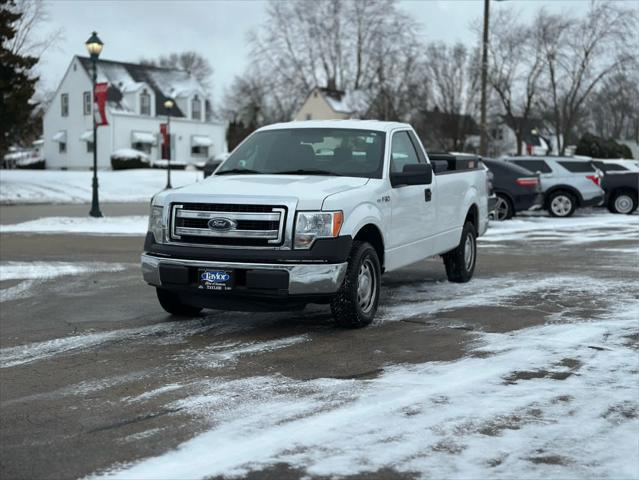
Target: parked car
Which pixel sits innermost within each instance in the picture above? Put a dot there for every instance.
(615, 165)
(313, 212)
(567, 183)
(515, 187)
(213, 163)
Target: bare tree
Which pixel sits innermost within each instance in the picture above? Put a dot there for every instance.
(453, 73)
(189, 61)
(367, 45)
(578, 55)
(30, 38)
(515, 72)
(614, 107)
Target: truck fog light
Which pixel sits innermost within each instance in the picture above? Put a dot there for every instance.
(310, 226)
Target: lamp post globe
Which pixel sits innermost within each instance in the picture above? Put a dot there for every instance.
(168, 105)
(94, 47)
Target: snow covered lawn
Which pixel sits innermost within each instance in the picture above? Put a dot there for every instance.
(124, 225)
(55, 186)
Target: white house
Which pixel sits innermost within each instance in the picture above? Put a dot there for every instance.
(331, 104)
(135, 111)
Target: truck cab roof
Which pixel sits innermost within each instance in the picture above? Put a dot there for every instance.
(371, 125)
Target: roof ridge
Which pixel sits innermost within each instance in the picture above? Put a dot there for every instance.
(139, 64)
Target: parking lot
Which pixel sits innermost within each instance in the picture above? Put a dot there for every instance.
(531, 369)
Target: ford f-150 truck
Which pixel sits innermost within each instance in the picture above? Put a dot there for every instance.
(313, 212)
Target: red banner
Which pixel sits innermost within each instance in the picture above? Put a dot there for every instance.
(164, 132)
(100, 103)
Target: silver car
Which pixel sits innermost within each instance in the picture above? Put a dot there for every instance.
(567, 183)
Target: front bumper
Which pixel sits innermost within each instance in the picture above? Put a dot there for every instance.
(299, 279)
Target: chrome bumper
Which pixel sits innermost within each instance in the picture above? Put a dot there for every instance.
(304, 279)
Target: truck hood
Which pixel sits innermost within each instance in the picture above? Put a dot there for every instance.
(308, 190)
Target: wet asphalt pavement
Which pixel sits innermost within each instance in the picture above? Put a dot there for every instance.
(93, 370)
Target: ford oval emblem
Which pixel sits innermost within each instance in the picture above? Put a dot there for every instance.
(221, 224)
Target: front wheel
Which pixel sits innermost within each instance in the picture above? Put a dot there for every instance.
(460, 262)
(622, 202)
(355, 304)
(171, 302)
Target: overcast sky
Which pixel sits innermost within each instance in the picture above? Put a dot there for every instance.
(131, 29)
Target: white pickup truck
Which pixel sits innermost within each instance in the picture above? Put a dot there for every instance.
(314, 212)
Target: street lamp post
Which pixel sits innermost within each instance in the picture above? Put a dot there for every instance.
(94, 46)
(168, 104)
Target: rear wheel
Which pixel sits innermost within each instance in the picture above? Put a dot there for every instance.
(622, 202)
(460, 262)
(503, 208)
(355, 304)
(171, 302)
(562, 204)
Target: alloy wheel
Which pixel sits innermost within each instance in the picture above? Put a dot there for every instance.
(561, 205)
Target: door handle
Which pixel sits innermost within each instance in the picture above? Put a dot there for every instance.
(428, 195)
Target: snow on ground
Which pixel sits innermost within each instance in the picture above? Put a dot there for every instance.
(31, 274)
(122, 225)
(547, 401)
(31, 352)
(56, 186)
(585, 227)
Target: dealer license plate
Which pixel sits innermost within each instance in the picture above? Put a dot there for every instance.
(221, 280)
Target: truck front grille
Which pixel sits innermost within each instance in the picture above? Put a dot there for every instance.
(228, 224)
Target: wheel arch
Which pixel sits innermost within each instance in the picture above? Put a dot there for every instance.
(472, 216)
(372, 234)
(563, 187)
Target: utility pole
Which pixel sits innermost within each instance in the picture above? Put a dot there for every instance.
(483, 137)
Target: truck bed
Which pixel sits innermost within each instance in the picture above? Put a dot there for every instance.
(448, 163)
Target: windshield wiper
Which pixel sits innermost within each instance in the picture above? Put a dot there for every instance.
(306, 172)
(237, 171)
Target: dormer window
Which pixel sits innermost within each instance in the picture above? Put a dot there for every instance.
(145, 103)
(196, 108)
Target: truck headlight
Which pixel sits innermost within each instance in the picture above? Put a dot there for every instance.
(155, 223)
(312, 225)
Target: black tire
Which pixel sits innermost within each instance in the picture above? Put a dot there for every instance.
(171, 302)
(351, 307)
(459, 266)
(504, 209)
(561, 204)
(624, 202)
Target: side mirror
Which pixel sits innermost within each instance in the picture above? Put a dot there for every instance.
(413, 174)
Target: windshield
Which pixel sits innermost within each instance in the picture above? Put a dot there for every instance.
(309, 151)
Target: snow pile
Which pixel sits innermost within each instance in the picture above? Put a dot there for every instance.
(125, 225)
(56, 186)
(130, 154)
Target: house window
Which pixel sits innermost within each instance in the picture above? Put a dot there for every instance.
(197, 151)
(86, 103)
(142, 147)
(89, 147)
(145, 103)
(64, 104)
(62, 147)
(196, 108)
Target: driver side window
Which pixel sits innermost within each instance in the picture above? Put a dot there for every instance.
(402, 152)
